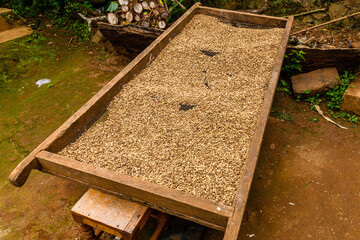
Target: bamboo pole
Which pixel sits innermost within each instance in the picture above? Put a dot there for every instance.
(326, 23)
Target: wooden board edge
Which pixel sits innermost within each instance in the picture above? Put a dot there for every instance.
(77, 123)
(233, 227)
(153, 195)
(238, 16)
(108, 26)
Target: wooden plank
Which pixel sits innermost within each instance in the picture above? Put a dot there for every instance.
(202, 211)
(341, 58)
(93, 109)
(139, 216)
(236, 16)
(233, 227)
(129, 39)
(14, 33)
(113, 214)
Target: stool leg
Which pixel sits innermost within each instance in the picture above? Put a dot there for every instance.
(87, 231)
(162, 224)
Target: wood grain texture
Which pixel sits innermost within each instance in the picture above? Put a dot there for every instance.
(129, 39)
(110, 214)
(233, 227)
(93, 109)
(341, 58)
(236, 16)
(174, 202)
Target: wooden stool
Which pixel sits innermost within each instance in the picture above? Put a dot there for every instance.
(114, 215)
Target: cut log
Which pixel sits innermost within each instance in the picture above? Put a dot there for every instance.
(129, 17)
(155, 12)
(125, 8)
(145, 5)
(163, 13)
(137, 18)
(112, 19)
(152, 5)
(145, 24)
(162, 24)
(138, 8)
(123, 2)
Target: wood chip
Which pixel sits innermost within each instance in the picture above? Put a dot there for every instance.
(200, 149)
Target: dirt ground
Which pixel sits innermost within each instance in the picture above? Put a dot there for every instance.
(305, 185)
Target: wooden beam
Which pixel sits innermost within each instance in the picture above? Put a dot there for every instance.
(233, 227)
(236, 16)
(202, 211)
(316, 58)
(93, 109)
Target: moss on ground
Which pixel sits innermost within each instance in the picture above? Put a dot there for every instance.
(29, 114)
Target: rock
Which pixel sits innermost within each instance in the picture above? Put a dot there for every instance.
(308, 19)
(353, 3)
(337, 10)
(321, 16)
(318, 81)
(97, 37)
(351, 102)
(347, 22)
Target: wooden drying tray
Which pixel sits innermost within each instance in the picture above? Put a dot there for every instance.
(202, 211)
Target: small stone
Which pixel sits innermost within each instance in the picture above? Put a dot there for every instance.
(308, 19)
(272, 146)
(351, 102)
(317, 82)
(347, 22)
(337, 10)
(97, 37)
(321, 16)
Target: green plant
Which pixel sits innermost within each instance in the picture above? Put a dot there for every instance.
(314, 120)
(283, 86)
(314, 100)
(282, 115)
(113, 7)
(293, 61)
(283, 7)
(300, 96)
(335, 95)
(62, 13)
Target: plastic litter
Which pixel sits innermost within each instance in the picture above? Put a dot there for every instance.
(42, 82)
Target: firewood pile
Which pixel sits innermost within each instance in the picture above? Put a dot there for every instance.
(146, 13)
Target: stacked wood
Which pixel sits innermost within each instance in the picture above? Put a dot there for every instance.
(146, 13)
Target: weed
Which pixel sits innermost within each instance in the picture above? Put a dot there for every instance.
(300, 96)
(283, 7)
(335, 95)
(294, 62)
(314, 100)
(284, 87)
(314, 120)
(282, 115)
